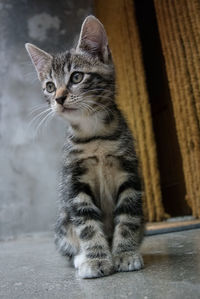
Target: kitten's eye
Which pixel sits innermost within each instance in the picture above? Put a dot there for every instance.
(76, 77)
(50, 87)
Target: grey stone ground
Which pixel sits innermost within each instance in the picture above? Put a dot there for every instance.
(30, 268)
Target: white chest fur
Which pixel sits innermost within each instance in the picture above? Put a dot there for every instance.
(104, 175)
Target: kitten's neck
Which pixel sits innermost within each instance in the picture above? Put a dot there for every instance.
(98, 124)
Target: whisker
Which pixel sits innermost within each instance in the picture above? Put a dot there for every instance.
(97, 89)
(107, 97)
(91, 109)
(86, 107)
(42, 122)
(37, 118)
(101, 97)
(100, 105)
(36, 108)
(106, 109)
(49, 119)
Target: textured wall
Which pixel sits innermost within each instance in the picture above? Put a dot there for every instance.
(29, 165)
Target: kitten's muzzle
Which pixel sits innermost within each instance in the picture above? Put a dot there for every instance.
(61, 100)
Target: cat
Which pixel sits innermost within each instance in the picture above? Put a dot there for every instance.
(100, 224)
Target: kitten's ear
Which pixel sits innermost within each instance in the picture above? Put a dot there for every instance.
(41, 59)
(93, 39)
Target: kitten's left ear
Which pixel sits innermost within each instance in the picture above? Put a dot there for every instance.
(93, 39)
(41, 59)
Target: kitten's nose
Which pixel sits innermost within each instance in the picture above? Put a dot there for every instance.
(61, 100)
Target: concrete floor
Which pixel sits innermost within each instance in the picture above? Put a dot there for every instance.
(30, 268)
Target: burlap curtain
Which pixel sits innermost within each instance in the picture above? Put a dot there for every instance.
(179, 29)
(120, 23)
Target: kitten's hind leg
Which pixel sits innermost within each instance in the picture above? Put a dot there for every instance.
(128, 232)
(65, 237)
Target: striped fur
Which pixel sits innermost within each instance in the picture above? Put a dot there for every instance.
(100, 221)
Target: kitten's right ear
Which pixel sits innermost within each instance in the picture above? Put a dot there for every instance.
(40, 59)
(93, 39)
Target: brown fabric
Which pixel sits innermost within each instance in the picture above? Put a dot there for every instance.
(120, 23)
(179, 27)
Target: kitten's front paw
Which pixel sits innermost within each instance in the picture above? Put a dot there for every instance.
(93, 268)
(128, 261)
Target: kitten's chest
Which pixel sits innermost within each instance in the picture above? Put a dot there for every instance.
(103, 173)
(104, 176)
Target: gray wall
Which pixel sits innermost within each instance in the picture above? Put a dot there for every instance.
(28, 164)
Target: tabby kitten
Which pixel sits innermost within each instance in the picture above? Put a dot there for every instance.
(100, 223)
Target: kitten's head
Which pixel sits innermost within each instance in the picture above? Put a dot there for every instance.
(80, 81)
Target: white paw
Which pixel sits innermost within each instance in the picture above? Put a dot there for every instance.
(128, 261)
(91, 268)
